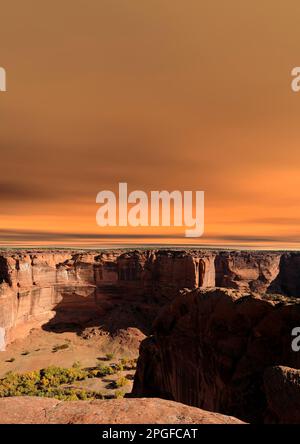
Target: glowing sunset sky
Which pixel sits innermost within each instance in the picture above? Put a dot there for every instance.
(161, 94)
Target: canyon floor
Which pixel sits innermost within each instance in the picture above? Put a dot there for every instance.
(91, 348)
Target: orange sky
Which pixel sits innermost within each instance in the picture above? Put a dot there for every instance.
(160, 94)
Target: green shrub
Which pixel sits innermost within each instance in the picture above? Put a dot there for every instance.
(14, 384)
(54, 382)
(109, 356)
(117, 367)
(76, 364)
(119, 394)
(104, 370)
(58, 375)
(128, 364)
(120, 382)
(46, 382)
(56, 348)
(71, 394)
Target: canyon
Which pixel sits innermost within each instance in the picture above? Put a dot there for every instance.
(124, 288)
(211, 323)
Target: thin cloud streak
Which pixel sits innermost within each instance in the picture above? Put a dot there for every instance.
(27, 237)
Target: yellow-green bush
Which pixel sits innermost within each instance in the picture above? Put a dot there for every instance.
(121, 382)
(103, 370)
(128, 364)
(56, 348)
(119, 394)
(46, 382)
(57, 375)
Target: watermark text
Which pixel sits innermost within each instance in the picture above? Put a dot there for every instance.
(2, 80)
(160, 208)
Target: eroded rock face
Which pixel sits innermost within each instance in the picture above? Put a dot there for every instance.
(121, 289)
(287, 281)
(247, 271)
(31, 410)
(117, 289)
(210, 349)
(282, 387)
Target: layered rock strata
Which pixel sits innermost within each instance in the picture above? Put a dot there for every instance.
(118, 288)
(124, 288)
(211, 349)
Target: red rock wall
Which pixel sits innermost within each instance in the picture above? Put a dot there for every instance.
(41, 288)
(72, 286)
(210, 349)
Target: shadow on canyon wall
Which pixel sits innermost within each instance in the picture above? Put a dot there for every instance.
(137, 292)
(127, 293)
(287, 281)
(108, 309)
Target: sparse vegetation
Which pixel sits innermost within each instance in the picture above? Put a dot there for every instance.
(58, 375)
(120, 382)
(56, 348)
(58, 382)
(104, 370)
(128, 364)
(118, 367)
(109, 356)
(76, 364)
(47, 382)
(275, 297)
(119, 394)
(25, 353)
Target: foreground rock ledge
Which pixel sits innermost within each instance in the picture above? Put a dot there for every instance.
(33, 410)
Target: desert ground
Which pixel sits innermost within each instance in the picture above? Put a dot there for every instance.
(91, 349)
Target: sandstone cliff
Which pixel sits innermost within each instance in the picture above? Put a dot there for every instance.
(120, 289)
(282, 387)
(115, 289)
(211, 348)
